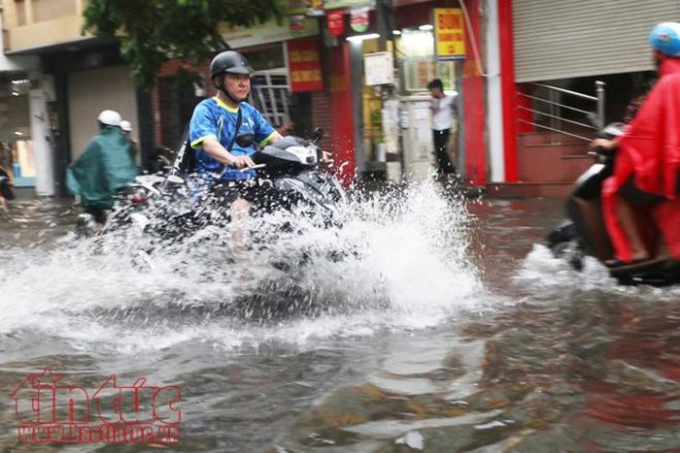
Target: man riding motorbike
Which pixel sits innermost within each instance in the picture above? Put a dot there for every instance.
(641, 196)
(105, 167)
(223, 132)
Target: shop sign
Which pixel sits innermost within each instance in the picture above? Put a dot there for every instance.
(304, 65)
(270, 31)
(359, 19)
(296, 7)
(336, 4)
(315, 8)
(304, 7)
(449, 33)
(299, 26)
(336, 23)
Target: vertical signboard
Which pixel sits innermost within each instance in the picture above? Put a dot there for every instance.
(335, 21)
(304, 65)
(358, 20)
(449, 34)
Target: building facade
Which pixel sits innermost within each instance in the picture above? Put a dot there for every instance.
(24, 149)
(358, 69)
(552, 54)
(76, 76)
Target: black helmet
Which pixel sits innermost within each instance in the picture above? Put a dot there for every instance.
(231, 62)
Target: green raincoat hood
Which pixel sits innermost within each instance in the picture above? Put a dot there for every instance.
(106, 165)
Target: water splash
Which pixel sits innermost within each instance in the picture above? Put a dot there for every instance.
(398, 260)
(542, 272)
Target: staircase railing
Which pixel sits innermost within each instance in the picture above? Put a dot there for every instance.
(555, 105)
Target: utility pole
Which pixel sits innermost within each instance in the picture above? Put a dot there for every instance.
(385, 17)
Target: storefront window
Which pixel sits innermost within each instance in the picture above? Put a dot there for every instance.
(373, 140)
(266, 57)
(15, 131)
(415, 49)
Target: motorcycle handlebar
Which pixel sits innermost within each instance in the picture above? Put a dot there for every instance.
(254, 167)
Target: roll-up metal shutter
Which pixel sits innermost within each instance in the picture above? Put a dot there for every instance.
(558, 39)
(92, 91)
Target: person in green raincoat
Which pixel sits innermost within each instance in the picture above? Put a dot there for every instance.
(105, 166)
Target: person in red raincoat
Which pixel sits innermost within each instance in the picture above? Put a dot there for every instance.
(641, 197)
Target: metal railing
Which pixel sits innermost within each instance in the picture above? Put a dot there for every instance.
(270, 95)
(553, 107)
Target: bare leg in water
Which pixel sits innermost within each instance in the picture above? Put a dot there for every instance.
(240, 212)
(628, 223)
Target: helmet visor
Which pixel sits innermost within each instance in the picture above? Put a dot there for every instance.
(247, 70)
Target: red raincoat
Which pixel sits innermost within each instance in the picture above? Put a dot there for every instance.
(650, 150)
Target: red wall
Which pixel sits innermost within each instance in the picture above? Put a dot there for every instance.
(509, 90)
(474, 103)
(340, 109)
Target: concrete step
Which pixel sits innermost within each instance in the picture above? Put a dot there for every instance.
(572, 149)
(528, 190)
(543, 138)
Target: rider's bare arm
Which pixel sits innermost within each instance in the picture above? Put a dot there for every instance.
(275, 138)
(220, 154)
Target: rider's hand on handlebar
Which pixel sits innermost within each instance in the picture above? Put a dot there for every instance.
(241, 162)
(603, 145)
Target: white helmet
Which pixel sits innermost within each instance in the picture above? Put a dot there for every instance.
(110, 118)
(126, 125)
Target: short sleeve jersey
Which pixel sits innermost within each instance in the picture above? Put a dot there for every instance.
(213, 118)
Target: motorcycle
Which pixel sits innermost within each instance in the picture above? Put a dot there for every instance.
(129, 201)
(292, 166)
(289, 168)
(175, 206)
(584, 233)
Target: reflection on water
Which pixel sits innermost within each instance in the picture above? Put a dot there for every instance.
(445, 327)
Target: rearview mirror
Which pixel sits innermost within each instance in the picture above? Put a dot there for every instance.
(317, 134)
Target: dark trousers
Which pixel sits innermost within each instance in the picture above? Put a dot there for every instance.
(99, 214)
(441, 138)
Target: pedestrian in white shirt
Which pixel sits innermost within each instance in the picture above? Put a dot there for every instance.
(443, 115)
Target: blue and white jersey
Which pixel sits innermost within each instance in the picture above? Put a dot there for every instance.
(214, 118)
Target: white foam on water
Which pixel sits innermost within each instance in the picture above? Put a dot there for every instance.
(545, 274)
(399, 261)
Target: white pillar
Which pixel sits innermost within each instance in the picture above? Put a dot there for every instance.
(38, 119)
(42, 151)
(494, 96)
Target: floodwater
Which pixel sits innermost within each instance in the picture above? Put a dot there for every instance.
(427, 322)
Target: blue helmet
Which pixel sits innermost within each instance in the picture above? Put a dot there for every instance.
(665, 38)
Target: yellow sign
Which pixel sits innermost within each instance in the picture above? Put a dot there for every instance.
(449, 33)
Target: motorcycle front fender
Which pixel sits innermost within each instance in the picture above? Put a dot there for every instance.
(312, 187)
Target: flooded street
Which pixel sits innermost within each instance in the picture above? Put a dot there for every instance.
(427, 322)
